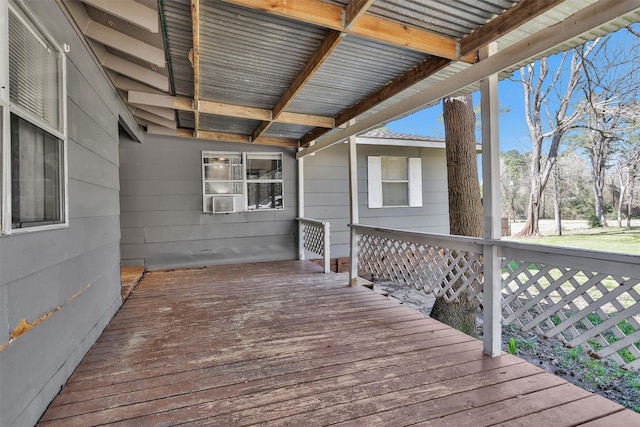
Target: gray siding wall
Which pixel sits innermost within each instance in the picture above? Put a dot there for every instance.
(327, 192)
(72, 273)
(161, 200)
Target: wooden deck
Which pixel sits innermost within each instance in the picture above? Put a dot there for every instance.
(283, 344)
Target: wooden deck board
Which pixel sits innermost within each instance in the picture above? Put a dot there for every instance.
(129, 278)
(283, 344)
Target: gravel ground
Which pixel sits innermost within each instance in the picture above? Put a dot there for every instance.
(573, 365)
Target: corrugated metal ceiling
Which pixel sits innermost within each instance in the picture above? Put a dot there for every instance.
(251, 53)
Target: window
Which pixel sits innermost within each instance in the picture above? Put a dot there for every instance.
(237, 182)
(37, 140)
(394, 181)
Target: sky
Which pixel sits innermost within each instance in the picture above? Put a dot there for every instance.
(513, 135)
(513, 131)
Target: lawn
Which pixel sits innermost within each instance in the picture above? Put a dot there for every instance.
(609, 239)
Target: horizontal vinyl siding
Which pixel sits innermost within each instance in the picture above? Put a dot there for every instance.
(327, 193)
(72, 272)
(161, 203)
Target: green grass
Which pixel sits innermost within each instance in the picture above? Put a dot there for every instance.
(610, 239)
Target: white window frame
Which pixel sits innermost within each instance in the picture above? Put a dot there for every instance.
(374, 182)
(240, 201)
(7, 108)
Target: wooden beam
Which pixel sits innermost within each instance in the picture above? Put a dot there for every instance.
(354, 10)
(583, 21)
(321, 54)
(136, 72)
(222, 109)
(306, 120)
(330, 16)
(239, 111)
(124, 43)
(245, 139)
(195, 57)
(129, 10)
(411, 77)
(504, 23)
(318, 58)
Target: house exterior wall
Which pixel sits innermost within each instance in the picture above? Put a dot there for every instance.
(327, 192)
(161, 201)
(71, 274)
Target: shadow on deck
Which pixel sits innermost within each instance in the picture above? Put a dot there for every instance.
(281, 343)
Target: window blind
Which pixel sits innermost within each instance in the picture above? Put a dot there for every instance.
(33, 71)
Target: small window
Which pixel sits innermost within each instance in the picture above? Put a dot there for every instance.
(394, 181)
(238, 182)
(36, 136)
(36, 176)
(264, 181)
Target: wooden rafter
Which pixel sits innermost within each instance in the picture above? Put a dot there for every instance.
(411, 77)
(504, 23)
(222, 109)
(354, 10)
(330, 16)
(321, 54)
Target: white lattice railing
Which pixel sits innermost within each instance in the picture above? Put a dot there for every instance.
(584, 298)
(433, 265)
(314, 237)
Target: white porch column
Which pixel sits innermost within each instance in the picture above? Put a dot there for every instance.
(300, 208)
(353, 210)
(491, 207)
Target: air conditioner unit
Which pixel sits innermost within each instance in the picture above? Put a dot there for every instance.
(223, 204)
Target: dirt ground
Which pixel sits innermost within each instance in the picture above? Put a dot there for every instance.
(573, 365)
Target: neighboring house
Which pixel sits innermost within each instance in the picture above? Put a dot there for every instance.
(130, 137)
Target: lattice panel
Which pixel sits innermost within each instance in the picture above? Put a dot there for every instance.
(429, 268)
(599, 311)
(313, 235)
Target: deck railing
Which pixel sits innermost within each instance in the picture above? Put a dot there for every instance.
(584, 298)
(315, 237)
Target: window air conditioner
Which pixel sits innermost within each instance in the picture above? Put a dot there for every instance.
(223, 204)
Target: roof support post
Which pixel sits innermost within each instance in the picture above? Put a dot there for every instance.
(491, 209)
(301, 255)
(353, 210)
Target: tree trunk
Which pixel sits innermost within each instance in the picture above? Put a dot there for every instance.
(630, 204)
(557, 208)
(465, 207)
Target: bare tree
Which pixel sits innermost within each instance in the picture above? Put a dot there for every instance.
(611, 90)
(514, 183)
(465, 208)
(627, 170)
(543, 96)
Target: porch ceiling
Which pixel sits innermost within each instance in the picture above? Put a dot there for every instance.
(291, 72)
